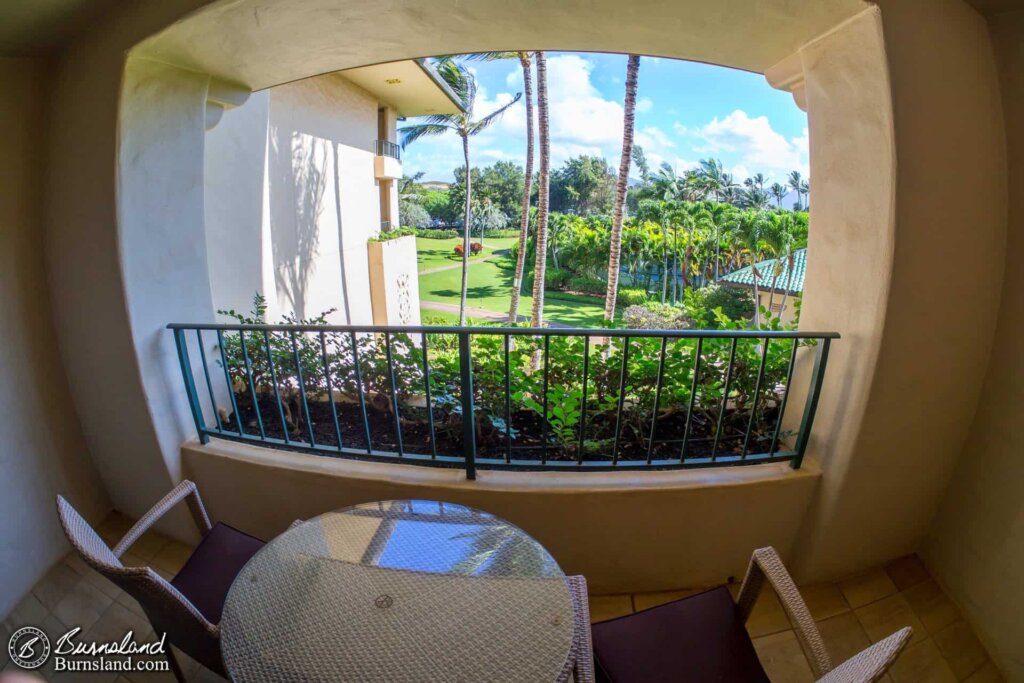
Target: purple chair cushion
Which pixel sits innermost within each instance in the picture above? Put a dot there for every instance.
(209, 572)
(699, 638)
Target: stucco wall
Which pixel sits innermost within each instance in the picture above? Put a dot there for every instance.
(894, 421)
(625, 531)
(976, 545)
(292, 199)
(43, 450)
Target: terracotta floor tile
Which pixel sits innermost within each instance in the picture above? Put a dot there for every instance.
(148, 545)
(986, 674)
(824, 600)
(883, 618)
(782, 658)
(82, 606)
(57, 583)
(866, 588)
(961, 649)
(604, 607)
(907, 571)
(921, 663)
(768, 616)
(116, 622)
(931, 606)
(647, 600)
(172, 556)
(844, 637)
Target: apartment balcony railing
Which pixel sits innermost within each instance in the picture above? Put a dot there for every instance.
(386, 148)
(536, 399)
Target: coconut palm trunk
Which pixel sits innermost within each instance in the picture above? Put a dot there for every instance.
(540, 257)
(466, 229)
(524, 221)
(615, 250)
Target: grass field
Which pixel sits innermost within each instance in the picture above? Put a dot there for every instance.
(438, 253)
(490, 288)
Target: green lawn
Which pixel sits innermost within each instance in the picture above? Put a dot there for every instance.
(437, 253)
(490, 288)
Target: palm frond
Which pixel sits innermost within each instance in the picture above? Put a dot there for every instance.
(477, 126)
(413, 133)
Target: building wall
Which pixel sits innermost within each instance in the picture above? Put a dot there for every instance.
(292, 200)
(44, 452)
(976, 544)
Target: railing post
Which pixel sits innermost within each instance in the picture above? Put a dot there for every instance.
(468, 412)
(813, 394)
(190, 385)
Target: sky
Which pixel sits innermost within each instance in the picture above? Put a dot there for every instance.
(686, 111)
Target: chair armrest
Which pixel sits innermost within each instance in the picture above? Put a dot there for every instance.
(583, 667)
(870, 664)
(766, 564)
(187, 491)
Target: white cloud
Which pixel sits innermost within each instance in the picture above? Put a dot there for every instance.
(644, 105)
(653, 138)
(753, 143)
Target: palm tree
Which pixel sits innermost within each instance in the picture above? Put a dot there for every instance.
(711, 175)
(463, 84)
(759, 180)
(524, 219)
(778, 192)
(720, 217)
(750, 231)
(805, 190)
(614, 252)
(794, 184)
(543, 194)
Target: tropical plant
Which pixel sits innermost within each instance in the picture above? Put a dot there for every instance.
(614, 252)
(462, 123)
(543, 192)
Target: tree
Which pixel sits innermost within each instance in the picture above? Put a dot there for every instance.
(524, 215)
(794, 182)
(584, 185)
(778, 192)
(614, 252)
(462, 123)
(805, 190)
(543, 193)
(750, 230)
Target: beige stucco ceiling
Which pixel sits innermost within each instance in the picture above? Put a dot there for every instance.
(406, 86)
(32, 28)
(261, 44)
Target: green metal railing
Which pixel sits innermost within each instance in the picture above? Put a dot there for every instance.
(386, 148)
(507, 398)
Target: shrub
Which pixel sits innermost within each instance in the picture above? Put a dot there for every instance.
(588, 285)
(392, 234)
(459, 249)
(632, 297)
(656, 316)
(475, 247)
(556, 278)
(735, 302)
(433, 234)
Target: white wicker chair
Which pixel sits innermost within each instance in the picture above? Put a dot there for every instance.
(864, 667)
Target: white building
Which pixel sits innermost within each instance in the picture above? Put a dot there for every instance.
(299, 177)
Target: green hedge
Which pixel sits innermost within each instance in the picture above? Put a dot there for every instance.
(433, 234)
(587, 285)
(632, 297)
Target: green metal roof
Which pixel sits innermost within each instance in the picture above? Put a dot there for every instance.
(744, 277)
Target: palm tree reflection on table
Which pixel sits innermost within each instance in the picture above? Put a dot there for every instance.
(503, 550)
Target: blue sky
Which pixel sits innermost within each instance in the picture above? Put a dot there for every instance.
(685, 112)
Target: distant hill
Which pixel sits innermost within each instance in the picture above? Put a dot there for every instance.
(435, 185)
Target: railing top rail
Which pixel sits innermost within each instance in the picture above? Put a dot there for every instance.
(519, 331)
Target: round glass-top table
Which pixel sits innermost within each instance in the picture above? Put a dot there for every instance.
(406, 590)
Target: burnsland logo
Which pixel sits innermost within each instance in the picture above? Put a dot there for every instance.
(30, 649)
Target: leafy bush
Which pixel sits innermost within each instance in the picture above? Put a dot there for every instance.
(413, 214)
(735, 303)
(587, 285)
(474, 248)
(392, 234)
(656, 316)
(556, 278)
(438, 234)
(632, 297)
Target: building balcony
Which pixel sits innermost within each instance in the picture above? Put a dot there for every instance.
(387, 160)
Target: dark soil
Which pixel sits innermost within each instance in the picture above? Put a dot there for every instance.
(529, 444)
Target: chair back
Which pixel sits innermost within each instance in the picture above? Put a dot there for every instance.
(168, 610)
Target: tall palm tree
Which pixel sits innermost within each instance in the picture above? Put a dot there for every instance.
(525, 59)
(614, 252)
(720, 216)
(759, 180)
(711, 173)
(805, 190)
(543, 193)
(778, 192)
(462, 123)
(750, 230)
(794, 184)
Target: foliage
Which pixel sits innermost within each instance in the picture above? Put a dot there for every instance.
(413, 214)
(734, 302)
(656, 316)
(438, 234)
(474, 248)
(583, 185)
(632, 297)
(587, 285)
(387, 235)
(556, 278)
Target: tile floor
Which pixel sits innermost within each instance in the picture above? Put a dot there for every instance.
(851, 615)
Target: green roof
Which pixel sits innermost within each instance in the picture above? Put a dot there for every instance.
(744, 277)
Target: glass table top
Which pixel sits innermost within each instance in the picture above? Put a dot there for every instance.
(406, 590)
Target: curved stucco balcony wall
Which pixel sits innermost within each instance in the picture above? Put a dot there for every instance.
(893, 124)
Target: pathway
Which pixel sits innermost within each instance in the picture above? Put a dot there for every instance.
(481, 313)
(439, 269)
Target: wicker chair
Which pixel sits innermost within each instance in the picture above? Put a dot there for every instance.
(703, 638)
(188, 607)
